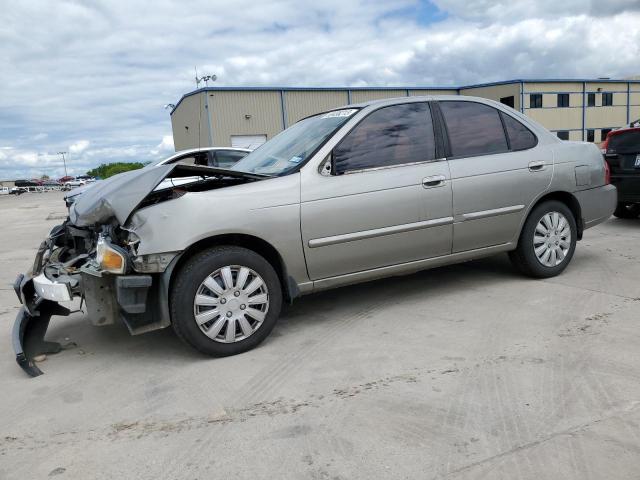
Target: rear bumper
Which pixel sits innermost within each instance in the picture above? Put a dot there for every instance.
(628, 187)
(597, 204)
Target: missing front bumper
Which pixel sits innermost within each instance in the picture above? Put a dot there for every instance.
(134, 299)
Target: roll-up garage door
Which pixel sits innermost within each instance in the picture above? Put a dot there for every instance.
(247, 141)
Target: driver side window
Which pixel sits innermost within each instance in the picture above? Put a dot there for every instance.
(394, 135)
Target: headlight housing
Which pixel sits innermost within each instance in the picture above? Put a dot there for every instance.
(110, 257)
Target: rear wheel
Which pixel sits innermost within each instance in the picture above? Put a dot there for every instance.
(225, 300)
(547, 241)
(625, 210)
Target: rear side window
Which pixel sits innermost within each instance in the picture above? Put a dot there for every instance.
(197, 158)
(473, 129)
(520, 137)
(393, 135)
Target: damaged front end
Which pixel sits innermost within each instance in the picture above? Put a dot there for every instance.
(91, 264)
(93, 257)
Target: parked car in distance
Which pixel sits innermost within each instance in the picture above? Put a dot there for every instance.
(362, 192)
(27, 183)
(76, 182)
(621, 150)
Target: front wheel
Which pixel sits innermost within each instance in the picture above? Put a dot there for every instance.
(624, 210)
(547, 241)
(225, 300)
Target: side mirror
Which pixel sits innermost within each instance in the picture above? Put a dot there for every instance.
(327, 166)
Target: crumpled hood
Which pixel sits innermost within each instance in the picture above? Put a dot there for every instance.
(79, 190)
(117, 196)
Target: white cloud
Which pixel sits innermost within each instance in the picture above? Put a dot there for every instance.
(165, 146)
(108, 77)
(79, 147)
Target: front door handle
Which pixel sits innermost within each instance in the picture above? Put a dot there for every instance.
(536, 166)
(434, 181)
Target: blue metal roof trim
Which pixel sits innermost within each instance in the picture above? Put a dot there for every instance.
(547, 80)
(452, 87)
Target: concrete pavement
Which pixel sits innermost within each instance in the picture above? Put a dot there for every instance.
(469, 371)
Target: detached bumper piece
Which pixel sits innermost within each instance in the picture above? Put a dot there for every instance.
(130, 298)
(31, 325)
(28, 335)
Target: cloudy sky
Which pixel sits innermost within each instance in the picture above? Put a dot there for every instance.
(92, 77)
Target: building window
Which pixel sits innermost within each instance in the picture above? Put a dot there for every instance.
(603, 133)
(591, 100)
(563, 135)
(607, 99)
(563, 100)
(591, 135)
(509, 101)
(535, 100)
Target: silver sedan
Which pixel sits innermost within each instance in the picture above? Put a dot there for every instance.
(362, 192)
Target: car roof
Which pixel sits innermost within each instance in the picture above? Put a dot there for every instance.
(417, 98)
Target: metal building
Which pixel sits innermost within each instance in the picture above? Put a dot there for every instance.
(248, 116)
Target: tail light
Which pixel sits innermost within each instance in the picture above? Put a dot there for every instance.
(607, 173)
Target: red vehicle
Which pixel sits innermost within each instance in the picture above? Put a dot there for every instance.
(621, 150)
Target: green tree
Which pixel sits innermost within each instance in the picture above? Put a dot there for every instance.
(107, 170)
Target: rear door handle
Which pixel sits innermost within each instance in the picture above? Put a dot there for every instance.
(536, 166)
(434, 181)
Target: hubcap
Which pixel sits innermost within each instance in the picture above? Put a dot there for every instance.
(231, 304)
(552, 239)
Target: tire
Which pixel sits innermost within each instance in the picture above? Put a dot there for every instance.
(524, 257)
(243, 310)
(624, 210)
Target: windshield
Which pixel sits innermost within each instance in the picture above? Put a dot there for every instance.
(293, 146)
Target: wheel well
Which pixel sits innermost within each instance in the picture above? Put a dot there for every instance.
(570, 201)
(261, 247)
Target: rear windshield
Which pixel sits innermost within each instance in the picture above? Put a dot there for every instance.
(626, 142)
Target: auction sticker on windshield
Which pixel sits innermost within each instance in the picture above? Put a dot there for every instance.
(340, 113)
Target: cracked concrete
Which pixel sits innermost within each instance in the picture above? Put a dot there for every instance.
(470, 371)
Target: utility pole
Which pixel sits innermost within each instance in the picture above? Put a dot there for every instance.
(64, 161)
